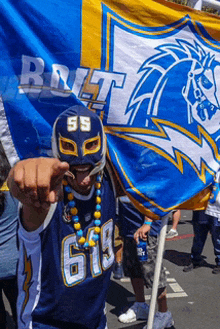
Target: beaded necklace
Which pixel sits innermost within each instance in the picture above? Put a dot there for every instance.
(74, 218)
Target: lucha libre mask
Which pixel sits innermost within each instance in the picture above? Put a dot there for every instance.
(78, 138)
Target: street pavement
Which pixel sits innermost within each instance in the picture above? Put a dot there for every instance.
(193, 297)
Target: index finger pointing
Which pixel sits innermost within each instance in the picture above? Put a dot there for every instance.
(50, 175)
(59, 169)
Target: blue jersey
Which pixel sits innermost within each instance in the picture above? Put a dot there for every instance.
(60, 285)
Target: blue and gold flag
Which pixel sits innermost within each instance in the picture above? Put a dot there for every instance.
(150, 69)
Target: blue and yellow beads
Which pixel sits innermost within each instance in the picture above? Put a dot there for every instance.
(75, 218)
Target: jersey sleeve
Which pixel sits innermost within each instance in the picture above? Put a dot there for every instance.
(29, 270)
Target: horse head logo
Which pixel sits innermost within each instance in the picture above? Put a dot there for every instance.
(201, 89)
(178, 84)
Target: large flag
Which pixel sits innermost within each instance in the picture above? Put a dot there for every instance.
(150, 69)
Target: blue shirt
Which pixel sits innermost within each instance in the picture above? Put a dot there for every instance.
(8, 237)
(131, 219)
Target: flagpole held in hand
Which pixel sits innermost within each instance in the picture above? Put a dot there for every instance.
(157, 271)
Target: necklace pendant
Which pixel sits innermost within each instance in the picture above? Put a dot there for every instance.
(67, 219)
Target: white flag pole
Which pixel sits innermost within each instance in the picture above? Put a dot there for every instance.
(157, 270)
(196, 4)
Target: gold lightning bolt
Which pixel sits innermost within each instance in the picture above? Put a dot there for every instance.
(28, 276)
(177, 162)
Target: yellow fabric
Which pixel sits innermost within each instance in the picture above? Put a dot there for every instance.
(141, 12)
(118, 239)
(4, 187)
(198, 202)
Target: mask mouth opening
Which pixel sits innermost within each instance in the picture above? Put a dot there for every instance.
(80, 177)
(79, 170)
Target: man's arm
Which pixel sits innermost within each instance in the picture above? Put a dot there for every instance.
(36, 183)
(143, 230)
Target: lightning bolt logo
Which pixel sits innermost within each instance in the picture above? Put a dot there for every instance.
(28, 272)
(175, 143)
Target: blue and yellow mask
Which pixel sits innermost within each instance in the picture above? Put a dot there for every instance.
(78, 138)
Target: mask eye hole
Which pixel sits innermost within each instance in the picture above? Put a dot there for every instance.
(67, 146)
(92, 145)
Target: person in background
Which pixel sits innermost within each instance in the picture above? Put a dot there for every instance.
(176, 215)
(203, 223)
(136, 226)
(8, 243)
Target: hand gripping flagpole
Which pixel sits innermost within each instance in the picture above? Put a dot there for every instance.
(157, 271)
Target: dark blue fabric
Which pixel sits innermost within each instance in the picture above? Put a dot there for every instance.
(131, 219)
(155, 228)
(55, 324)
(9, 286)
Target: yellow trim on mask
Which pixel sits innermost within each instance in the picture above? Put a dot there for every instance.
(62, 150)
(85, 151)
